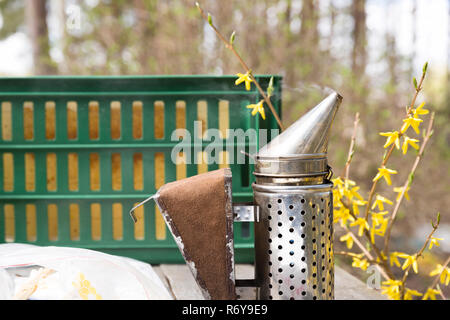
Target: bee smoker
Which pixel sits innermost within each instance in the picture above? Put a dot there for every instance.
(292, 214)
(294, 234)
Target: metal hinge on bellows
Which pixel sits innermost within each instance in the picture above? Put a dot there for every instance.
(245, 212)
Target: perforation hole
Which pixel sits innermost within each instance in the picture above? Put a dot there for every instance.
(302, 201)
(291, 207)
(158, 114)
(72, 120)
(51, 171)
(50, 120)
(138, 168)
(94, 171)
(137, 119)
(28, 120)
(73, 171)
(279, 200)
(96, 221)
(117, 221)
(6, 116)
(139, 226)
(74, 221)
(280, 212)
(93, 114)
(116, 177)
(52, 215)
(30, 210)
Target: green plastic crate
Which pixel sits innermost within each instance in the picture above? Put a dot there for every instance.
(51, 193)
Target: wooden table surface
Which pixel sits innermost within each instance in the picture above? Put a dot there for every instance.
(180, 282)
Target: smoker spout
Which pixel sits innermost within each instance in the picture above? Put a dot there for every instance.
(308, 135)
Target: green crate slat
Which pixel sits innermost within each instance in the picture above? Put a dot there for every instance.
(126, 90)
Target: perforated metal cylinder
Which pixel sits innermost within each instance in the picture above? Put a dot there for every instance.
(294, 242)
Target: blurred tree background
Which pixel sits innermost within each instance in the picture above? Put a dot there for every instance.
(313, 44)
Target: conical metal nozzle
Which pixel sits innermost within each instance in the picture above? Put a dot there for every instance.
(308, 135)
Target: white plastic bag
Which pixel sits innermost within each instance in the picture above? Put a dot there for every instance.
(73, 273)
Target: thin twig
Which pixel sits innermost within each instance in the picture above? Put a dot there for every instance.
(406, 184)
(391, 149)
(229, 45)
(352, 147)
(417, 255)
(436, 280)
(351, 254)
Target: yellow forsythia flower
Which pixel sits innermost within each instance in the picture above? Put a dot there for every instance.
(394, 258)
(355, 204)
(409, 260)
(431, 294)
(348, 240)
(377, 217)
(244, 78)
(419, 111)
(360, 263)
(362, 223)
(413, 122)
(386, 174)
(338, 182)
(393, 137)
(391, 288)
(379, 200)
(399, 191)
(409, 293)
(408, 141)
(434, 241)
(444, 274)
(258, 107)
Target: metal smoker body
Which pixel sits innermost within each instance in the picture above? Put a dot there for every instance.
(294, 233)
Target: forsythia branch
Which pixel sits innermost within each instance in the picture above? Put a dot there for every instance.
(229, 45)
(417, 255)
(428, 135)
